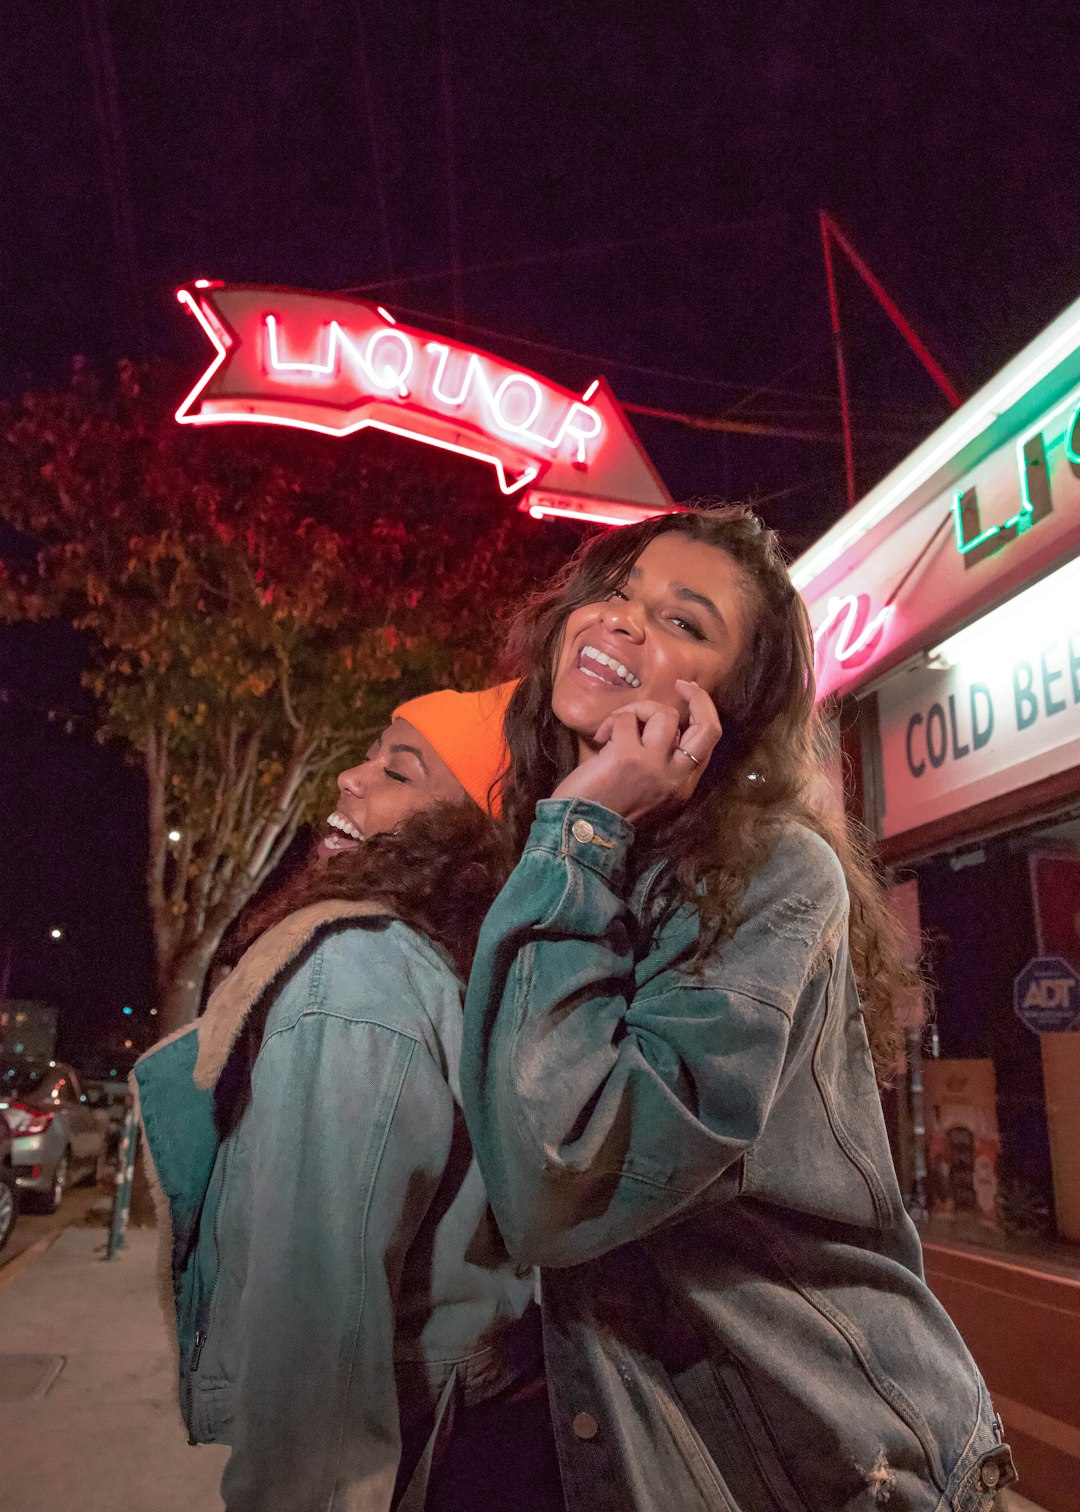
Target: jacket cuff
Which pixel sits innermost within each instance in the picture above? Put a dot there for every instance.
(576, 829)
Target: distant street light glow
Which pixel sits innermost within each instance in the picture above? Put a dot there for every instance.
(56, 934)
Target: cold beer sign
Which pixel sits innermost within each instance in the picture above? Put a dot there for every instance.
(996, 708)
(336, 365)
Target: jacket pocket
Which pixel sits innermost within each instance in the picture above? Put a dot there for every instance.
(700, 1457)
(209, 1402)
(724, 1411)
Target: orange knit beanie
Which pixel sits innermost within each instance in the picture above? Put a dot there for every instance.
(467, 731)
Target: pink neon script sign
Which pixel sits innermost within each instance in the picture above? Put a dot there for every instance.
(337, 366)
(849, 636)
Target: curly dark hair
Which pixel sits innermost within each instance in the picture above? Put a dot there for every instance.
(439, 873)
(771, 764)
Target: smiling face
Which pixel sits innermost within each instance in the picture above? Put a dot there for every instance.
(402, 775)
(684, 611)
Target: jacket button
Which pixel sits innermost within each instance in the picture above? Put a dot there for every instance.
(585, 1425)
(582, 830)
(990, 1475)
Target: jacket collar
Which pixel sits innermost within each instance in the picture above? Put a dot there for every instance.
(257, 970)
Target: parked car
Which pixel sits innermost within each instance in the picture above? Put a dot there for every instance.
(110, 1098)
(9, 1191)
(56, 1137)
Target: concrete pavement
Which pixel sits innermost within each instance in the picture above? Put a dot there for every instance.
(79, 1206)
(88, 1416)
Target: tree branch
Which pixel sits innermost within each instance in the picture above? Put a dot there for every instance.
(286, 699)
(285, 839)
(263, 840)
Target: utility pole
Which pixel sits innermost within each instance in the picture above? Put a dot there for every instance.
(838, 352)
(830, 232)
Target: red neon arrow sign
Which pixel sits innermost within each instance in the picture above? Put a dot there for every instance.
(337, 365)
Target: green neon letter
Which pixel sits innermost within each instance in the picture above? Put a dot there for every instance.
(970, 537)
(1072, 438)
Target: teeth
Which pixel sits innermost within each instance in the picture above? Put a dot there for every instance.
(338, 821)
(609, 661)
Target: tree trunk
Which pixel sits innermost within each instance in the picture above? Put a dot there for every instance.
(181, 992)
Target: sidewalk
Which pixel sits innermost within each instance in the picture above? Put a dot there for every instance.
(88, 1415)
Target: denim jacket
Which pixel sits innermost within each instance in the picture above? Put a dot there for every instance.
(735, 1314)
(335, 1276)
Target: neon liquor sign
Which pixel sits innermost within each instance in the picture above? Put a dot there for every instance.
(336, 365)
(850, 631)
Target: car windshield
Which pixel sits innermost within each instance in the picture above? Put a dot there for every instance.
(23, 1078)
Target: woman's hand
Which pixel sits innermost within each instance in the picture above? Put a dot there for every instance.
(647, 759)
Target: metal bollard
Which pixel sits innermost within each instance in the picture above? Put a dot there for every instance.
(125, 1175)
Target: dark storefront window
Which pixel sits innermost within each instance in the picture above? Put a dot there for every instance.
(980, 918)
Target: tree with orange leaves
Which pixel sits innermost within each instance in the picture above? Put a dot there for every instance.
(256, 603)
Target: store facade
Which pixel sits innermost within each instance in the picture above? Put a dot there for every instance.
(946, 611)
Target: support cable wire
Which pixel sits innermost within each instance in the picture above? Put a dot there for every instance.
(453, 221)
(602, 361)
(368, 90)
(892, 310)
(753, 427)
(106, 99)
(769, 388)
(588, 249)
(841, 370)
(830, 232)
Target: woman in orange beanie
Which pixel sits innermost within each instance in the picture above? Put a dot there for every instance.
(347, 1317)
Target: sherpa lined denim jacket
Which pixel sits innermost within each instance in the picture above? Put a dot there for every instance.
(336, 1275)
(734, 1309)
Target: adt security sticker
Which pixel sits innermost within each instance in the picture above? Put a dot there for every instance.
(1046, 996)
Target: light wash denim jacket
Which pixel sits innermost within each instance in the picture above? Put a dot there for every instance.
(337, 1278)
(735, 1314)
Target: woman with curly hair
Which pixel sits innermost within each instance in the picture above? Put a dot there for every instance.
(680, 1009)
(347, 1316)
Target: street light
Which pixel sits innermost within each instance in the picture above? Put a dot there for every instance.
(56, 934)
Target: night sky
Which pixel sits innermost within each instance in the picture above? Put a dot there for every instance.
(625, 190)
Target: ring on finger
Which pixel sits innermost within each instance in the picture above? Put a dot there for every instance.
(682, 751)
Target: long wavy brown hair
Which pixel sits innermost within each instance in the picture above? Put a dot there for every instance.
(439, 873)
(772, 763)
